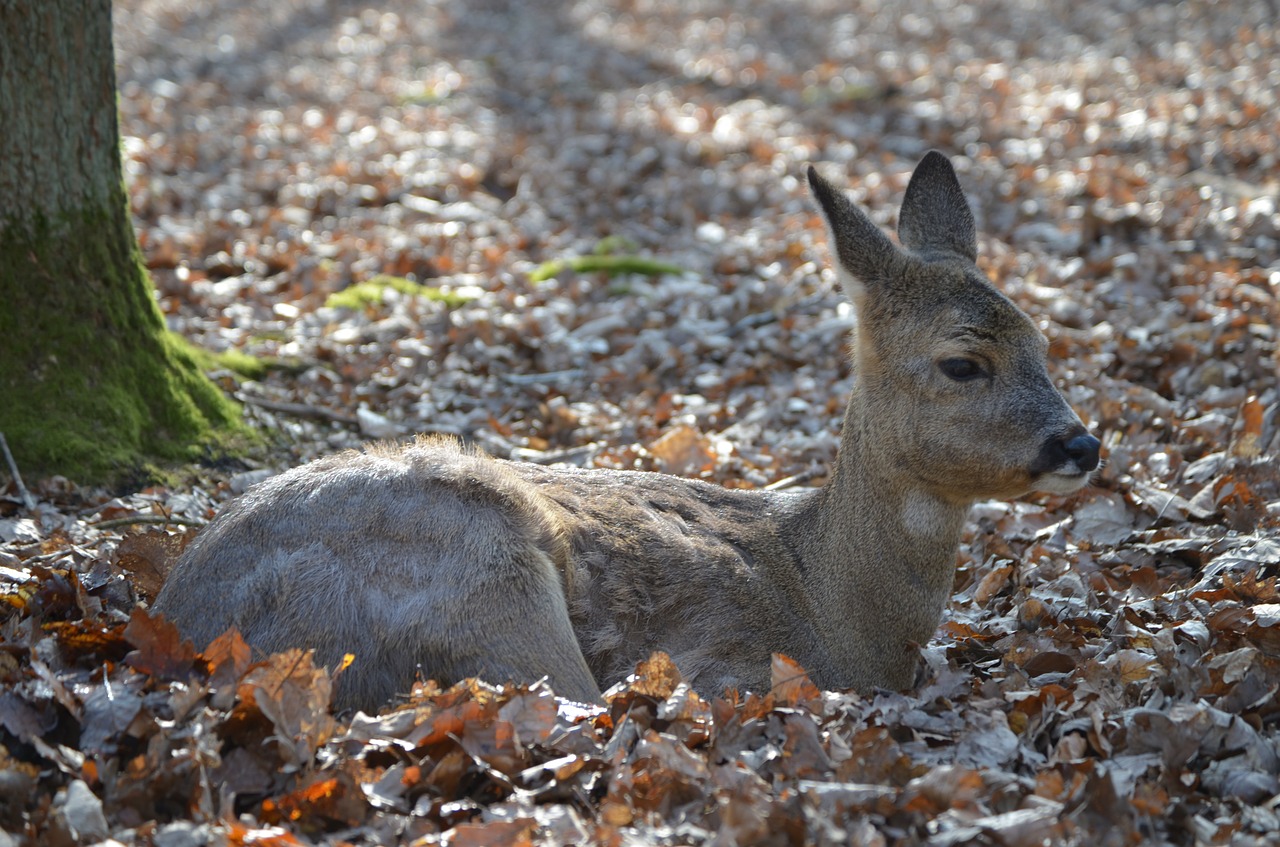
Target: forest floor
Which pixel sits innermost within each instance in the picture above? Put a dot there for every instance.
(366, 200)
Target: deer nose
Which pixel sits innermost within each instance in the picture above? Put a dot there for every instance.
(1083, 450)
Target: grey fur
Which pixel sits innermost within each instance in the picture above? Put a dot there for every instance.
(433, 559)
(935, 215)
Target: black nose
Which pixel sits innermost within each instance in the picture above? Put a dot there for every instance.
(1077, 447)
(1083, 449)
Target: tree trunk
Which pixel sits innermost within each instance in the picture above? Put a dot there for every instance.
(92, 385)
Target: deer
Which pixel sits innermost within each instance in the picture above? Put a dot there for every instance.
(433, 559)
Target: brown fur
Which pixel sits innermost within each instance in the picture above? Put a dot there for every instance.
(437, 560)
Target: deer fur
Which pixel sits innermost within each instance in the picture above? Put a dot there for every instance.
(436, 560)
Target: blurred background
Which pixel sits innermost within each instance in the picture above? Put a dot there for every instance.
(1120, 157)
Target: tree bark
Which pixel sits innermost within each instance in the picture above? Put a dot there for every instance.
(92, 385)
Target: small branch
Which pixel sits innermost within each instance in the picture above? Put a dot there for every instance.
(114, 523)
(548, 377)
(789, 481)
(298, 410)
(27, 499)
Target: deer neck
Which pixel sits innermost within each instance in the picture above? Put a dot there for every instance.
(879, 551)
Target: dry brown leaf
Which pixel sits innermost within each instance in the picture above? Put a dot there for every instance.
(790, 683)
(333, 799)
(656, 676)
(943, 788)
(512, 833)
(147, 555)
(992, 584)
(159, 648)
(294, 696)
(1103, 521)
(683, 451)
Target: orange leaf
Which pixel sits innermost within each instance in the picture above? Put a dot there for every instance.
(656, 676)
(683, 451)
(240, 835)
(228, 656)
(332, 798)
(992, 584)
(160, 649)
(515, 833)
(1246, 442)
(790, 683)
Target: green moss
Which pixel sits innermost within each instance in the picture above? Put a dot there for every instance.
(373, 292)
(821, 95)
(94, 386)
(269, 335)
(424, 95)
(245, 364)
(613, 255)
(609, 265)
(612, 245)
(250, 367)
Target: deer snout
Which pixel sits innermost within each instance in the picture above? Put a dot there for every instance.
(1072, 454)
(1083, 450)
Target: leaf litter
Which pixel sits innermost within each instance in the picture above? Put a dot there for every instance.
(1108, 668)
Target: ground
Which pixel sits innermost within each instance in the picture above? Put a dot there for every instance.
(1107, 669)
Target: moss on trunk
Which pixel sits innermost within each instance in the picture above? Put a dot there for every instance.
(92, 385)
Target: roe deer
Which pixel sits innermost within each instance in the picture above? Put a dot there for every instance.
(434, 559)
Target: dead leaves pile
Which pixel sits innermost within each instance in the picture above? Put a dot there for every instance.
(1131, 697)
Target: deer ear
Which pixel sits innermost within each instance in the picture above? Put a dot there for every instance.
(864, 254)
(935, 216)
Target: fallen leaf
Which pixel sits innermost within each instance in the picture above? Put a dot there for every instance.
(683, 451)
(1103, 521)
(791, 684)
(146, 556)
(159, 648)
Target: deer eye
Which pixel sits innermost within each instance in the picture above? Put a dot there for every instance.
(961, 370)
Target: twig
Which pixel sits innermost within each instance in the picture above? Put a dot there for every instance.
(548, 377)
(113, 523)
(27, 499)
(570, 456)
(298, 410)
(788, 481)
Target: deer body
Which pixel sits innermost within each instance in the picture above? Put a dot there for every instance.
(437, 560)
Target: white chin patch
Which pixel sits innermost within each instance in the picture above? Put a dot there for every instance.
(1060, 483)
